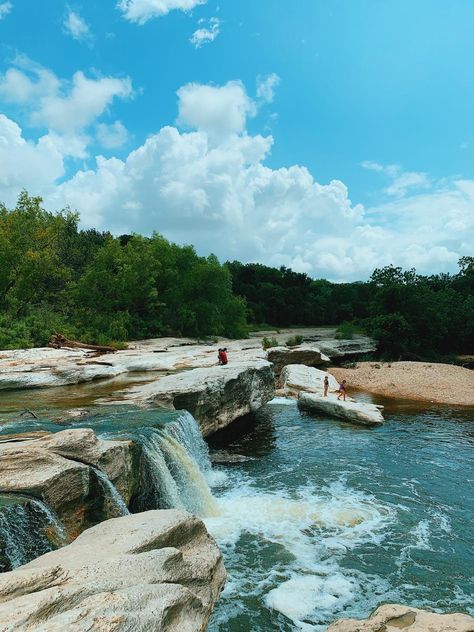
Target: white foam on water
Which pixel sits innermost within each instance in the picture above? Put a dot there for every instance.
(312, 527)
(306, 595)
(216, 478)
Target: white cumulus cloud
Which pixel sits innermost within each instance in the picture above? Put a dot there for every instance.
(65, 108)
(5, 9)
(217, 110)
(206, 34)
(140, 11)
(32, 165)
(113, 135)
(75, 26)
(208, 183)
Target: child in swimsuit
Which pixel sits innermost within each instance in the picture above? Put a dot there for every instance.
(342, 390)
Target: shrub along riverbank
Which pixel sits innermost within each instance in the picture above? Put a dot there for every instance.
(91, 285)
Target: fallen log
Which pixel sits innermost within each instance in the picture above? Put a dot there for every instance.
(58, 341)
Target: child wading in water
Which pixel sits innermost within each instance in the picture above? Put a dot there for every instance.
(342, 390)
(326, 386)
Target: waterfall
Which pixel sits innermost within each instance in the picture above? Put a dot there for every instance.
(111, 494)
(28, 529)
(176, 459)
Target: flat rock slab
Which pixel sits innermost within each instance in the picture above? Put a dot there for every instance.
(356, 412)
(338, 349)
(215, 396)
(157, 570)
(394, 617)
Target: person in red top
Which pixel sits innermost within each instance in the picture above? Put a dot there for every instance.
(222, 355)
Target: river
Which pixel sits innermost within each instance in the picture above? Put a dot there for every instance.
(317, 518)
(330, 520)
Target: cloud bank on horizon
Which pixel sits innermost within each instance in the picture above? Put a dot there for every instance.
(205, 177)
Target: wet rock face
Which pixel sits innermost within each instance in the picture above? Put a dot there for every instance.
(303, 354)
(393, 617)
(61, 470)
(215, 396)
(158, 570)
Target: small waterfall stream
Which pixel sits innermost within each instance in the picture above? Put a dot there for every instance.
(112, 494)
(176, 460)
(173, 465)
(28, 529)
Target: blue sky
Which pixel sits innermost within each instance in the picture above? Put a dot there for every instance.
(333, 136)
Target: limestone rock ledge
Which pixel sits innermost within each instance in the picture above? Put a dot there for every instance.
(61, 470)
(394, 617)
(302, 354)
(215, 396)
(157, 570)
(360, 413)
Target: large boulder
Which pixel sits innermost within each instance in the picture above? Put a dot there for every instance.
(349, 349)
(303, 354)
(64, 471)
(157, 570)
(215, 396)
(360, 413)
(393, 617)
(298, 377)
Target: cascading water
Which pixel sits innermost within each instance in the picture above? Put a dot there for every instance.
(28, 529)
(112, 495)
(176, 460)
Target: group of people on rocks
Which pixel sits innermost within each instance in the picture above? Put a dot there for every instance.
(341, 390)
(223, 360)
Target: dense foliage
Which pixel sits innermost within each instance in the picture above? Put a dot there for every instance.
(92, 286)
(99, 288)
(411, 316)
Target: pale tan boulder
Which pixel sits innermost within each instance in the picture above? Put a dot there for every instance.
(394, 617)
(360, 413)
(215, 396)
(302, 354)
(62, 471)
(298, 377)
(157, 570)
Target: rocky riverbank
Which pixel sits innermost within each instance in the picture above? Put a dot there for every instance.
(422, 381)
(157, 570)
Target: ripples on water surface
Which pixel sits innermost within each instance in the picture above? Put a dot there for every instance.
(331, 519)
(325, 519)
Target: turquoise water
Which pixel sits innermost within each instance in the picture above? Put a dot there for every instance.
(330, 519)
(324, 519)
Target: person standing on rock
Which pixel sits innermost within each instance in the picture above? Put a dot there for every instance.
(342, 390)
(326, 386)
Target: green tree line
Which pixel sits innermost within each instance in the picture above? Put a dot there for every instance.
(98, 288)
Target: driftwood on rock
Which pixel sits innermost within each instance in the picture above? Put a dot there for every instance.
(57, 341)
